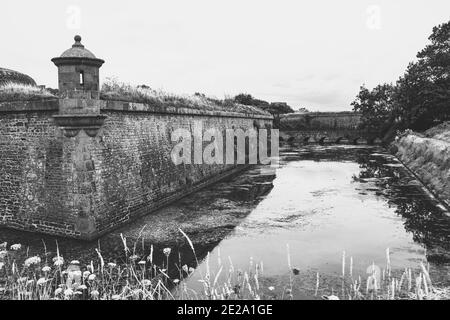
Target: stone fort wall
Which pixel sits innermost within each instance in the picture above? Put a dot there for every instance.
(86, 184)
(346, 120)
(325, 127)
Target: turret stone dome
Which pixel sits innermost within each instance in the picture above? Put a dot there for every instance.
(78, 54)
(78, 51)
(78, 69)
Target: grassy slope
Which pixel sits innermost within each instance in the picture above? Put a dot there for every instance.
(428, 155)
(115, 90)
(20, 92)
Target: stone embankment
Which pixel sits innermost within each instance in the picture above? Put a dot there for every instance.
(428, 156)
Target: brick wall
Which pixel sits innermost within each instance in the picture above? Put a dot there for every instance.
(33, 172)
(320, 120)
(83, 186)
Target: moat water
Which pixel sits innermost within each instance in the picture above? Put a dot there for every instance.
(320, 201)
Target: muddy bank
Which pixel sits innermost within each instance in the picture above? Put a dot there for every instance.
(428, 156)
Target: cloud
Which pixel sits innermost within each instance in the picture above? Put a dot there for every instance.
(282, 85)
(320, 97)
(296, 52)
(306, 77)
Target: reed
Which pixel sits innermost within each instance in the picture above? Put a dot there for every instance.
(138, 278)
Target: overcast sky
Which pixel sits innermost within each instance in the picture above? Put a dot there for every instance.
(312, 54)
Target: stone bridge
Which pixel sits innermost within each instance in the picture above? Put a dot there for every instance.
(325, 127)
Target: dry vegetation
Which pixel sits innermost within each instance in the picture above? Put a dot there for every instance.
(441, 132)
(19, 92)
(115, 90)
(138, 278)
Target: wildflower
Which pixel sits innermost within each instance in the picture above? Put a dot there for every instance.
(46, 269)
(271, 288)
(191, 270)
(58, 261)
(146, 282)
(142, 262)
(75, 274)
(167, 251)
(86, 274)
(185, 268)
(22, 279)
(74, 262)
(68, 292)
(58, 291)
(32, 260)
(136, 292)
(176, 281)
(115, 297)
(3, 253)
(82, 287)
(332, 297)
(16, 247)
(112, 265)
(92, 277)
(41, 281)
(94, 294)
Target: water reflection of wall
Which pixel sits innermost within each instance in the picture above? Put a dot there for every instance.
(428, 156)
(383, 175)
(422, 216)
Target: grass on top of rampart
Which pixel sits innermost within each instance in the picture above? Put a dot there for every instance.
(115, 90)
(20, 92)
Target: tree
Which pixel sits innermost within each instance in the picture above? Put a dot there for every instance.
(244, 98)
(423, 93)
(247, 99)
(420, 99)
(303, 110)
(376, 107)
(274, 108)
(279, 108)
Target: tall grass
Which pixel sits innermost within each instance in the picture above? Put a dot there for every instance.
(138, 278)
(381, 284)
(112, 89)
(15, 92)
